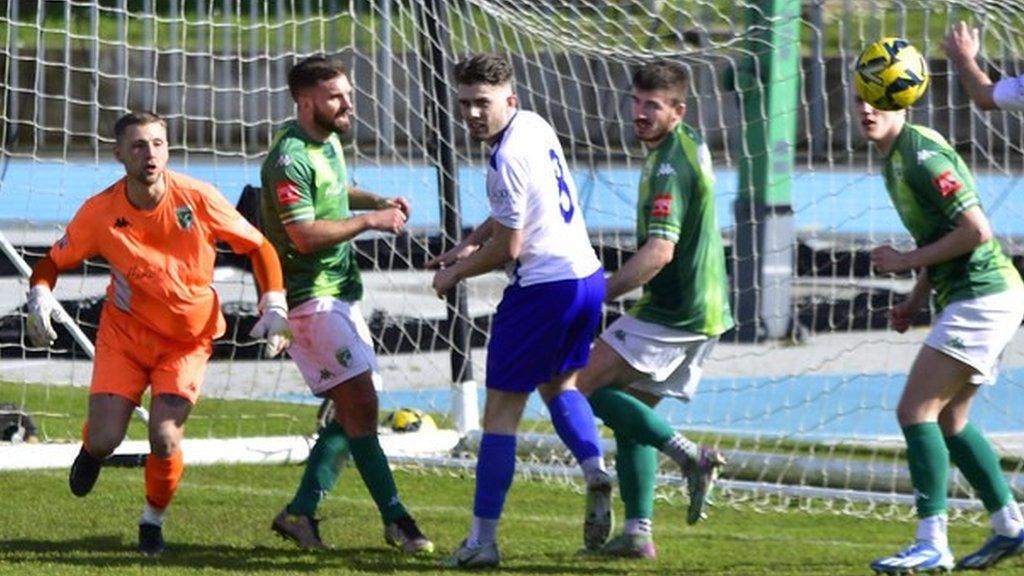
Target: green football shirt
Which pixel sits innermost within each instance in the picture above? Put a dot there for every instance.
(676, 202)
(930, 186)
(303, 180)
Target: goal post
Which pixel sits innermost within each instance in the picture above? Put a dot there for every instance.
(811, 419)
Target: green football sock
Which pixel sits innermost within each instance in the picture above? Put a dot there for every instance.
(637, 466)
(979, 463)
(929, 467)
(627, 415)
(326, 460)
(373, 467)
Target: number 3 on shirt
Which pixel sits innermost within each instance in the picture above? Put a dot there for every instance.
(564, 196)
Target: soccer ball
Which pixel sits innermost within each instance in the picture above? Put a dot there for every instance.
(890, 74)
(409, 420)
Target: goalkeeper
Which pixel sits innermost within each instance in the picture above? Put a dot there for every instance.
(657, 349)
(306, 214)
(157, 230)
(979, 299)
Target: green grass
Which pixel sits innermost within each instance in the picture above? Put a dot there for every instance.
(59, 412)
(219, 525)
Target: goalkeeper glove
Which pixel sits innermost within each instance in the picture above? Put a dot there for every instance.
(42, 307)
(273, 323)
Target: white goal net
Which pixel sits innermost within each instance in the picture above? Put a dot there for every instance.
(801, 396)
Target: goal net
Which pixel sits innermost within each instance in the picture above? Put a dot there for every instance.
(801, 396)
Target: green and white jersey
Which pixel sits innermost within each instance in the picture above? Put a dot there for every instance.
(676, 202)
(304, 179)
(930, 186)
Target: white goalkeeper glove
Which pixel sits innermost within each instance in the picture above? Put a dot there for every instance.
(42, 309)
(273, 324)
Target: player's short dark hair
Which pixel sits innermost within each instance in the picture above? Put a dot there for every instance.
(489, 69)
(136, 119)
(313, 70)
(665, 75)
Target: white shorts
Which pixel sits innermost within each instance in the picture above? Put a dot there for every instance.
(976, 331)
(672, 359)
(331, 343)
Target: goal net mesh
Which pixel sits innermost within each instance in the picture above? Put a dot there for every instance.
(807, 417)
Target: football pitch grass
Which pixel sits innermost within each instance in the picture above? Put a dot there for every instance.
(219, 524)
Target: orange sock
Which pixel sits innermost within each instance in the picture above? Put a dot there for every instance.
(162, 476)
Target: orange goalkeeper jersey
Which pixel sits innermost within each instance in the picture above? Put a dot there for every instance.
(161, 260)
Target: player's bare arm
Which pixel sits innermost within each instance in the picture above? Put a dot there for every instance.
(902, 314)
(640, 268)
(359, 199)
(972, 230)
(962, 46)
(502, 248)
(469, 245)
(312, 235)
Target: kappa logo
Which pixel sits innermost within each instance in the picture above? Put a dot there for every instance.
(620, 335)
(284, 160)
(665, 170)
(122, 223)
(956, 342)
(924, 155)
(185, 217)
(326, 374)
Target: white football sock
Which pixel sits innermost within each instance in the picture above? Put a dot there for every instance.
(638, 526)
(484, 531)
(151, 515)
(593, 468)
(1007, 520)
(934, 529)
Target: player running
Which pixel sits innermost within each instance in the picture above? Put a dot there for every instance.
(156, 229)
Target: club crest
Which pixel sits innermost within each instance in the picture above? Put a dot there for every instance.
(185, 217)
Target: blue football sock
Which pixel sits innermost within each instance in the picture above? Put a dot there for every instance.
(574, 421)
(495, 466)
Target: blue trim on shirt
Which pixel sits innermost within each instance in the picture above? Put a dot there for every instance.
(497, 143)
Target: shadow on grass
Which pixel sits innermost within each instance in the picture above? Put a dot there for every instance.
(114, 552)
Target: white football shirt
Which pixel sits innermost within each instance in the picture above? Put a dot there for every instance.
(1008, 93)
(529, 188)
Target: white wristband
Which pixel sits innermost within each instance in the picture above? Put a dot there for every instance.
(274, 299)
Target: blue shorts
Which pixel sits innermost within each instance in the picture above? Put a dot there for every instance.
(542, 331)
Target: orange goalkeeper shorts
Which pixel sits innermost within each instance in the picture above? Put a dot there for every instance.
(131, 356)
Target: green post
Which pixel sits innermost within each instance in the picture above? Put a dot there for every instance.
(768, 85)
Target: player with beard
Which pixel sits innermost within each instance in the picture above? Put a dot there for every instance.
(306, 213)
